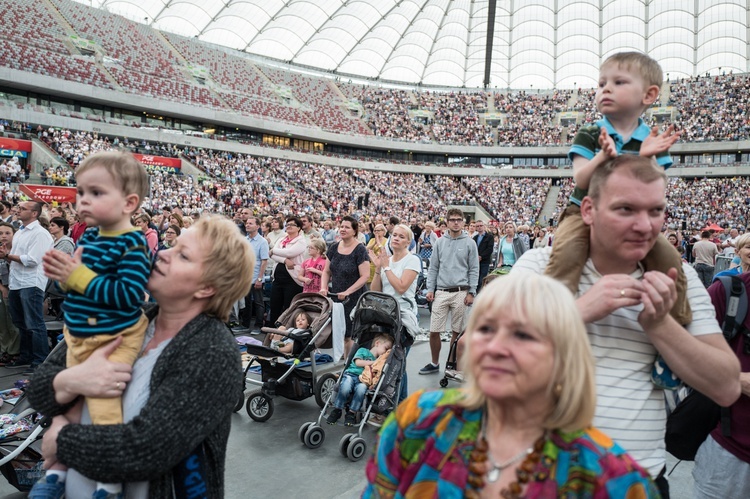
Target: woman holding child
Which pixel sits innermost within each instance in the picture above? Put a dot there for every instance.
(187, 350)
(521, 425)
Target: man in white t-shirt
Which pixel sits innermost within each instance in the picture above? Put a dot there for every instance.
(730, 243)
(626, 311)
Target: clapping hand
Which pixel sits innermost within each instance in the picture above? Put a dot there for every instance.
(58, 266)
(657, 143)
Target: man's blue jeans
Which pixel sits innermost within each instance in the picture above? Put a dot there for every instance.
(26, 310)
(351, 387)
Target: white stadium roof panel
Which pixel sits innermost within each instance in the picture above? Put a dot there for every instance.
(444, 42)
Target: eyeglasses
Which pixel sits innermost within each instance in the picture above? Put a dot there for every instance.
(455, 219)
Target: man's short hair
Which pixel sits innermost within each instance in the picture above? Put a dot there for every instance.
(36, 207)
(456, 212)
(706, 234)
(647, 68)
(394, 221)
(127, 172)
(641, 168)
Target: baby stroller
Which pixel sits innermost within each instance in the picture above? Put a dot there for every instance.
(281, 374)
(451, 364)
(376, 314)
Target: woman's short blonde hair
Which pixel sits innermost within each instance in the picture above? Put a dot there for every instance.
(379, 227)
(743, 241)
(431, 225)
(407, 229)
(229, 263)
(542, 303)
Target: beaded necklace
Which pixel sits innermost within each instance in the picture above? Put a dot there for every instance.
(478, 468)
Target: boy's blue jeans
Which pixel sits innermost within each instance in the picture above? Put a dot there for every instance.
(351, 387)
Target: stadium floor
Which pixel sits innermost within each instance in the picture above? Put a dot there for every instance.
(268, 460)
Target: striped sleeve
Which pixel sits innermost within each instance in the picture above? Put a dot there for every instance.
(123, 289)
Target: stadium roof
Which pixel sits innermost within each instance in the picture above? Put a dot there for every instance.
(534, 43)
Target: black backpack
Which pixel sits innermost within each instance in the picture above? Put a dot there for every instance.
(695, 416)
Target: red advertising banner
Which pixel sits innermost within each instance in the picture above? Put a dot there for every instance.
(15, 144)
(159, 161)
(48, 193)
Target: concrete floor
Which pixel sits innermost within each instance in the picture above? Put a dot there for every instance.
(268, 460)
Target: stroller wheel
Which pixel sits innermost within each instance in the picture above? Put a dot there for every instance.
(303, 430)
(356, 448)
(344, 443)
(314, 437)
(259, 406)
(324, 389)
(444, 382)
(240, 402)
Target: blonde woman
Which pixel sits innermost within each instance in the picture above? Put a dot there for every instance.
(521, 426)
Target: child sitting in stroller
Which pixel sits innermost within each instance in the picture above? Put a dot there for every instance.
(351, 386)
(285, 344)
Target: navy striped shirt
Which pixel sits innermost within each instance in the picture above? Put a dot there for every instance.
(108, 300)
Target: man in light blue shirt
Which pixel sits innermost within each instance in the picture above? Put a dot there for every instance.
(255, 296)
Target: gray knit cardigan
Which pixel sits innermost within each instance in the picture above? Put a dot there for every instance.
(195, 384)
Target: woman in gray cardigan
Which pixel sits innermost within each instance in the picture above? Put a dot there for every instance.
(187, 351)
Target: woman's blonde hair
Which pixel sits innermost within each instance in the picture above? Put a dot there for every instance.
(743, 241)
(229, 263)
(407, 229)
(545, 305)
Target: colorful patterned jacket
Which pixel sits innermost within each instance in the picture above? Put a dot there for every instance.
(424, 446)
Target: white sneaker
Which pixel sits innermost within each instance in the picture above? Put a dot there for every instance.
(454, 374)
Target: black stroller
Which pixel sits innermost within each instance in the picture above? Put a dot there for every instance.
(281, 374)
(376, 314)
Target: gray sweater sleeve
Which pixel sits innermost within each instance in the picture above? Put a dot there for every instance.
(194, 386)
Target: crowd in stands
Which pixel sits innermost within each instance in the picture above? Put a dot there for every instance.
(510, 198)
(288, 187)
(530, 119)
(712, 108)
(456, 117)
(702, 201)
(387, 114)
(138, 59)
